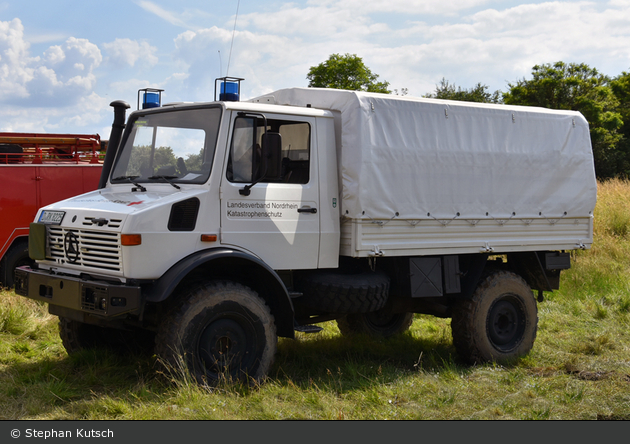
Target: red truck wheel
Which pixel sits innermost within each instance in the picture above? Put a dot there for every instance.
(17, 256)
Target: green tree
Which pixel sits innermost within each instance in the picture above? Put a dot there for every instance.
(345, 72)
(577, 87)
(621, 89)
(141, 162)
(478, 93)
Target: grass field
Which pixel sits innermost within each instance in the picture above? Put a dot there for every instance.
(579, 367)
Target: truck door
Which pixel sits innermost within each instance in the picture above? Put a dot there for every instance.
(277, 218)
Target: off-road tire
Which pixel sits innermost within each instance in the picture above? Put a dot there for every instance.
(220, 330)
(379, 324)
(499, 323)
(77, 336)
(346, 293)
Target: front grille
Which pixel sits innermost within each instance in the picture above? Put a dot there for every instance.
(84, 248)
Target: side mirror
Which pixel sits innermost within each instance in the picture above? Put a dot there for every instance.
(271, 156)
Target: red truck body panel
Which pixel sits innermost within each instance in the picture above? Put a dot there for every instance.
(39, 169)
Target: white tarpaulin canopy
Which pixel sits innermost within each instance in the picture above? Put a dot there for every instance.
(415, 158)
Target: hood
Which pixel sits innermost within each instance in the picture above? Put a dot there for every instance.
(109, 208)
(123, 203)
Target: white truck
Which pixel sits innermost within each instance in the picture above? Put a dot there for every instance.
(219, 226)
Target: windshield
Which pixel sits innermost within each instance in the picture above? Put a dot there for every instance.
(177, 146)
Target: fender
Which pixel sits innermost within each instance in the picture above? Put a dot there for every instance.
(17, 233)
(530, 267)
(232, 264)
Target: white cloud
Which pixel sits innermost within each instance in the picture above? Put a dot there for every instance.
(410, 43)
(45, 38)
(89, 111)
(500, 46)
(42, 93)
(54, 55)
(313, 23)
(128, 52)
(85, 115)
(82, 52)
(490, 46)
(64, 75)
(169, 16)
(15, 70)
(408, 7)
(263, 59)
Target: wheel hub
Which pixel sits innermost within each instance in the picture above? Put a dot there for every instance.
(505, 324)
(223, 345)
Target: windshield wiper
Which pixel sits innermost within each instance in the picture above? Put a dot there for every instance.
(166, 179)
(131, 179)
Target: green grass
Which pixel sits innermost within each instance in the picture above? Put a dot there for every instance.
(579, 367)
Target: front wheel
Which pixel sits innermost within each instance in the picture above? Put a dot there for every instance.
(498, 323)
(220, 330)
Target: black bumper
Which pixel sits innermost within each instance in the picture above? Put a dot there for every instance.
(93, 297)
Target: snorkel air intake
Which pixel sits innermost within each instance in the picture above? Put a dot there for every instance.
(118, 126)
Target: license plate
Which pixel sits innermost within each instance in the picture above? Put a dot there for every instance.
(51, 217)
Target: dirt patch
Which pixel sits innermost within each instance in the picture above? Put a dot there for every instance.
(594, 376)
(588, 375)
(545, 372)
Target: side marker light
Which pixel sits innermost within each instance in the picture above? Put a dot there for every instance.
(130, 239)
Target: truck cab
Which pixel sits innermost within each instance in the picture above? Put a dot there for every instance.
(226, 189)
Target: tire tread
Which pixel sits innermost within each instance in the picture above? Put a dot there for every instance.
(466, 340)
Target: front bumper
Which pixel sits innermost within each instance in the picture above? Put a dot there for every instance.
(87, 296)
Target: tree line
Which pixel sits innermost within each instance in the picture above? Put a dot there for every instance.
(604, 101)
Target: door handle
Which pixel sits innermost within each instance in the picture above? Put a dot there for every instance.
(307, 210)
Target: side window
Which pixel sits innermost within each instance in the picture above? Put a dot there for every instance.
(241, 162)
(296, 152)
(244, 164)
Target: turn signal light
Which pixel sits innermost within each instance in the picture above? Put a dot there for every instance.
(130, 239)
(208, 238)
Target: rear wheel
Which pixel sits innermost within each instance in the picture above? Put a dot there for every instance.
(498, 323)
(220, 330)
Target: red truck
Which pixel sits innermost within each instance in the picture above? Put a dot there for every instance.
(36, 170)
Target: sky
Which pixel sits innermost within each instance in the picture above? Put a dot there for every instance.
(62, 62)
